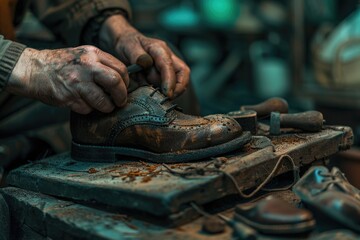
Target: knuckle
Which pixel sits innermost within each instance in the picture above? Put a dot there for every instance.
(73, 77)
(161, 43)
(91, 94)
(114, 79)
(100, 102)
(123, 69)
(187, 70)
(167, 62)
(93, 49)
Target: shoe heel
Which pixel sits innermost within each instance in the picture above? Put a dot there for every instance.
(88, 153)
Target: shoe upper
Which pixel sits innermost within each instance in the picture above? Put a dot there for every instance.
(318, 180)
(331, 194)
(150, 121)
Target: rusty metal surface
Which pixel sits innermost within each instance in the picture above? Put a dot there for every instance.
(150, 188)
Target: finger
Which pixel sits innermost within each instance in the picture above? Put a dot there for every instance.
(182, 76)
(135, 54)
(96, 98)
(81, 107)
(132, 51)
(164, 65)
(161, 55)
(112, 83)
(115, 64)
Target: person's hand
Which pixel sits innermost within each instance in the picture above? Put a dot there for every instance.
(119, 38)
(83, 78)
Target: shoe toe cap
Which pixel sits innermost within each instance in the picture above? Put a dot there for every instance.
(223, 128)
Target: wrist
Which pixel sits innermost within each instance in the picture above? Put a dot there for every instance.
(19, 79)
(11, 54)
(112, 30)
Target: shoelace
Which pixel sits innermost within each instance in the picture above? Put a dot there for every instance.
(173, 106)
(201, 171)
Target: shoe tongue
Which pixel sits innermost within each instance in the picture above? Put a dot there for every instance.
(150, 92)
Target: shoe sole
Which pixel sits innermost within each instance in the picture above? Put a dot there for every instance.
(90, 153)
(291, 228)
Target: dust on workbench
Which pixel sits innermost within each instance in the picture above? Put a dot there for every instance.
(284, 142)
(129, 172)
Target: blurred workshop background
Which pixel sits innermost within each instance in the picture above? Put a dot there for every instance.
(245, 51)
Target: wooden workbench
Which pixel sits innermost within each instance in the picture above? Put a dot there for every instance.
(60, 198)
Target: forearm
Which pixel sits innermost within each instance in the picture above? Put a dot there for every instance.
(10, 53)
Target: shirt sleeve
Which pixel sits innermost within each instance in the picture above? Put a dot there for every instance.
(9, 55)
(67, 18)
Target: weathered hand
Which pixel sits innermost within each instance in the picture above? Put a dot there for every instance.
(118, 37)
(82, 78)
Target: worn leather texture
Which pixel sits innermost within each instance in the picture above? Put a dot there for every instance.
(329, 193)
(149, 121)
(274, 215)
(338, 234)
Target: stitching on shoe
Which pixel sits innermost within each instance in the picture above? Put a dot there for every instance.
(142, 104)
(140, 119)
(135, 120)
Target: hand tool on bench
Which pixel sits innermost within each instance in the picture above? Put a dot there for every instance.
(264, 109)
(247, 119)
(310, 121)
(240, 230)
(247, 115)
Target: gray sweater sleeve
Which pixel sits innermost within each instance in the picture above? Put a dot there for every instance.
(9, 55)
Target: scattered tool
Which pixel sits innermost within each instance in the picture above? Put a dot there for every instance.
(310, 121)
(264, 109)
(247, 119)
(240, 230)
(145, 61)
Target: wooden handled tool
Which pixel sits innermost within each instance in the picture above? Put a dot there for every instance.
(310, 121)
(265, 108)
(145, 61)
(247, 120)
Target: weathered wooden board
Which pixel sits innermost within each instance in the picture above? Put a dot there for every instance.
(45, 217)
(38, 217)
(150, 189)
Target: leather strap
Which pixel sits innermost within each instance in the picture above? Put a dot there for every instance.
(7, 11)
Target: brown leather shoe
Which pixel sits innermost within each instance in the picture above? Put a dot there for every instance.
(329, 195)
(275, 216)
(150, 128)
